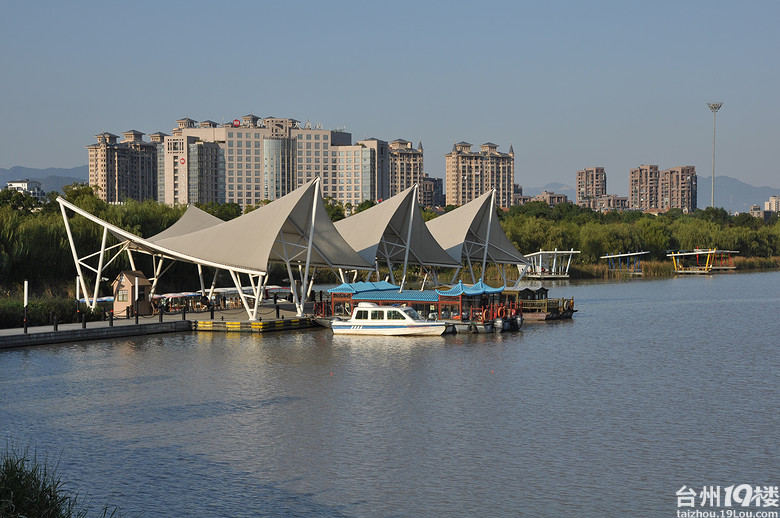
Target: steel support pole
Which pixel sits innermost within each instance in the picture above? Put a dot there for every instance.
(714, 107)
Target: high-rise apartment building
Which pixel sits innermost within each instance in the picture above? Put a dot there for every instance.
(470, 174)
(158, 139)
(643, 188)
(354, 176)
(191, 170)
(256, 159)
(654, 190)
(591, 183)
(406, 167)
(123, 170)
(246, 161)
(431, 191)
(677, 189)
(773, 204)
(380, 169)
(592, 191)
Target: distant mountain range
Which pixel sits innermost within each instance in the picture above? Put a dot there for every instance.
(730, 193)
(52, 179)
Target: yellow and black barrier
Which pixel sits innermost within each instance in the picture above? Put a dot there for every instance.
(252, 327)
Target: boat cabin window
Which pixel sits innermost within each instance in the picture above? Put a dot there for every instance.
(361, 314)
(412, 313)
(395, 315)
(377, 315)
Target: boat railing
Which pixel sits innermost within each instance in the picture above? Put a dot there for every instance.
(547, 305)
(493, 311)
(322, 309)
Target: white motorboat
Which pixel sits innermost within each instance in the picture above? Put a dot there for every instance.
(371, 319)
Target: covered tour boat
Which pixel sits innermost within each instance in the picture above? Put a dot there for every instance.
(476, 308)
(537, 306)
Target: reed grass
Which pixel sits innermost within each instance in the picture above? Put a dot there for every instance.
(757, 263)
(657, 269)
(30, 488)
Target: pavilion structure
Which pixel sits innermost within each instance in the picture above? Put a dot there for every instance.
(472, 234)
(394, 233)
(294, 230)
(550, 264)
(625, 263)
(702, 261)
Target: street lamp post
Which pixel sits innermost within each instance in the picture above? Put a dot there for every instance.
(714, 107)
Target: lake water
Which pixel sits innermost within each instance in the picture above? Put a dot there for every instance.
(654, 384)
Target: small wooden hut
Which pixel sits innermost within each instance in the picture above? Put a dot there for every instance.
(124, 291)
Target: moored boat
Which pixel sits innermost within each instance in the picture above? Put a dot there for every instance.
(537, 307)
(463, 308)
(372, 319)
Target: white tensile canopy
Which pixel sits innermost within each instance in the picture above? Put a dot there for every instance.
(294, 230)
(393, 232)
(472, 233)
(193, 219)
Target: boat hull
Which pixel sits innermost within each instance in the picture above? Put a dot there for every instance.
(459, 326)
(422, 329)
(534, 316)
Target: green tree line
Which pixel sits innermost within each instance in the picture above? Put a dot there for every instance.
(34, 244)
(536, 226)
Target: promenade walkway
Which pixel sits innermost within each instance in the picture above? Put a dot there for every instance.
(224, 320)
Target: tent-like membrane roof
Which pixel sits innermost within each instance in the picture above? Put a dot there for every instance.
(393, 232)
(277, 232)
(193, 219)
(294, 229)
(472, 233)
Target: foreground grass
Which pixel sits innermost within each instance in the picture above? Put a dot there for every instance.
(29, 488)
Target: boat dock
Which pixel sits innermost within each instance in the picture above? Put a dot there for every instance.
(550, 264)
(629, 263)
(223, 321)
(703, 261)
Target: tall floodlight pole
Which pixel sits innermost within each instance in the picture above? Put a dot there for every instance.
(714, 107)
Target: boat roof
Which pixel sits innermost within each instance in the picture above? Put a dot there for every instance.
(360, 287)
(384, 291)
(531, 289)
(398, 296)
(464, 289)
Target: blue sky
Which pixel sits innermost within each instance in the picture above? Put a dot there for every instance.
(568, 84)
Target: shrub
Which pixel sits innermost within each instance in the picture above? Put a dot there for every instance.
(40, 311)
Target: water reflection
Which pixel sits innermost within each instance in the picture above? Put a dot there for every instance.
(653, 385)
